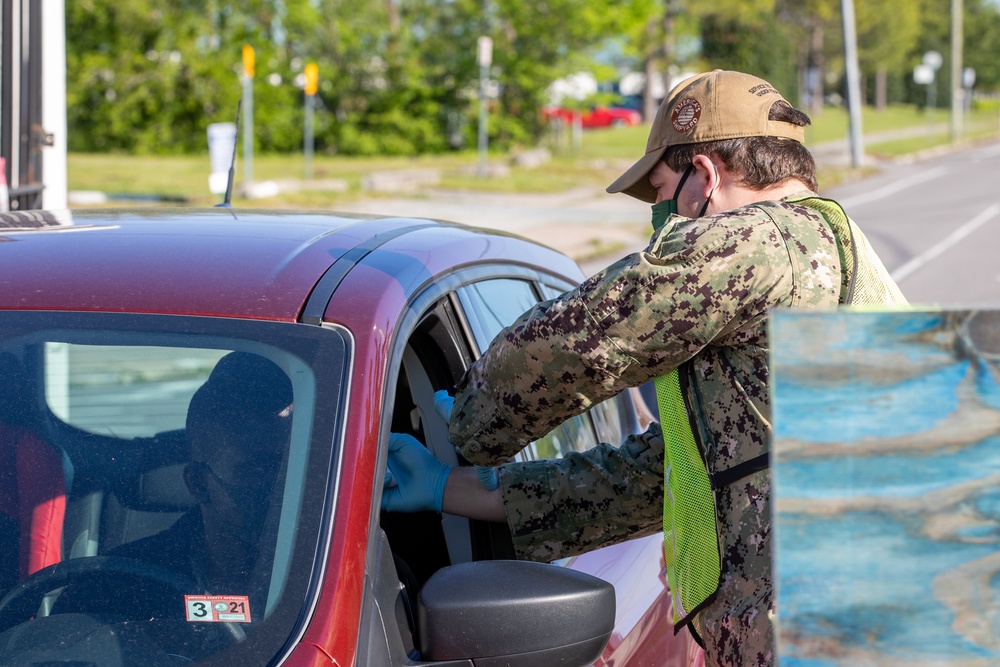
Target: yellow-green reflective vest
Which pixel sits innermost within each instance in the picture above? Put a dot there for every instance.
(691, 544)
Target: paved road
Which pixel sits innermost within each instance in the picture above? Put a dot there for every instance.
(936, 225)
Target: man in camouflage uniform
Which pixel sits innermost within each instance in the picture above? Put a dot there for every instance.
(744, 232)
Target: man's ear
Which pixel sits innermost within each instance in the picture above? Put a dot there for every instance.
(707, 175)
(194, 478)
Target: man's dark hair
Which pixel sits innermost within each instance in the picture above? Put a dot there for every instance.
(759, 162)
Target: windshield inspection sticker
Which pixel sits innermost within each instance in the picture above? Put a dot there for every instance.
(217, 608)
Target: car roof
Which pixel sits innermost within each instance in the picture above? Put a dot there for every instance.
(260, 264)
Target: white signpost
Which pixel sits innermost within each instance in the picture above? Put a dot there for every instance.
(221, 142)
(925, 74)
(485, 58)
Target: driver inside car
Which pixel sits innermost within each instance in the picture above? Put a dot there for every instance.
(238, 428)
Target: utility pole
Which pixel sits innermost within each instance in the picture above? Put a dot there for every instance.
(957, 89)
(853, 82)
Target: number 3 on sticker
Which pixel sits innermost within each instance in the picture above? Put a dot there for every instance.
(217, 608)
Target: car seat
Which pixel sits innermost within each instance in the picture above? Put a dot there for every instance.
(34, 479)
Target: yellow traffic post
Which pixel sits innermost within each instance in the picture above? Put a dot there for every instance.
(312, 85)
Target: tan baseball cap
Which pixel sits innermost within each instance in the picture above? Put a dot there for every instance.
(708, 107)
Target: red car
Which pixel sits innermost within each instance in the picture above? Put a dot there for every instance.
(193, 436)
(595, 117)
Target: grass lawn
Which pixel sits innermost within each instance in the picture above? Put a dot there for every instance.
(599, 157)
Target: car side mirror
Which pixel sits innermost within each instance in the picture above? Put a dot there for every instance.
(515, 614)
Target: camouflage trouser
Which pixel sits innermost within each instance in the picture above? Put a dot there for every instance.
(737, 628)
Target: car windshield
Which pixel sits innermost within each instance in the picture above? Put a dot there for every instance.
(152, 477)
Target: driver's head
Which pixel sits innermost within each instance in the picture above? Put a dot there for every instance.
(238, 428)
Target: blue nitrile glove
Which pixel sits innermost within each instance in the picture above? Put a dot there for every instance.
(414, 479)
(443, 403)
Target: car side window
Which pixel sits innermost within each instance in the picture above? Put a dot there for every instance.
(491, 305)
(549, 291)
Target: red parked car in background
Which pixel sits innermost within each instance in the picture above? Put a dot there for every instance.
(193, 435)
(595, 117)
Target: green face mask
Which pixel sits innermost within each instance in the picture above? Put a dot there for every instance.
(662, 211)
(666, 208)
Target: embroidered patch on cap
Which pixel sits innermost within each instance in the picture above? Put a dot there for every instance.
(686, 114)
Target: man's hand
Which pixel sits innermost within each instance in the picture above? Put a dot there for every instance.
(414, 479)
(443, 403)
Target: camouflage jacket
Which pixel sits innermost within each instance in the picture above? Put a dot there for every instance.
(696, 298)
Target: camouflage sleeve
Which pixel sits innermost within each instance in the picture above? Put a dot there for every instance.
(634, 321)
(561, 507)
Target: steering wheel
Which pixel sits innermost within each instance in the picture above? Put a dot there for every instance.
(105, 573)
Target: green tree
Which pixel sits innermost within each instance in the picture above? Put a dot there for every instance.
(815, 26)
(732, 37)
(535, 43)
(654, 30)
(400, 76)
(935, 35)
(982, 48)
(888, 32)
(148, 77)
